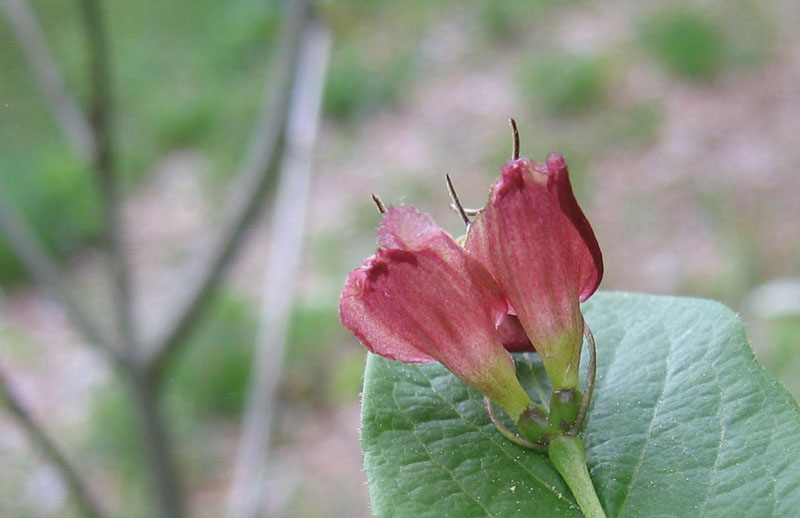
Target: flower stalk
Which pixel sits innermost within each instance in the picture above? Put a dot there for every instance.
(567, 454)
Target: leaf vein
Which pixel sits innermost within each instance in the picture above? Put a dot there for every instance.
(649, 432)
(496, 443)
(433, 459)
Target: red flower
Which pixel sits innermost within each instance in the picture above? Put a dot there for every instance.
(534, 239)
(530, 258)
(423, 297)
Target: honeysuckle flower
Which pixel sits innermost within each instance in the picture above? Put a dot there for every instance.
(536, 242)
(423, 297)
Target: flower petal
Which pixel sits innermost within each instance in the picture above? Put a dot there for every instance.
(408, 229)
(513, 335)
(559, 179)
(428, 298)
(534, 239)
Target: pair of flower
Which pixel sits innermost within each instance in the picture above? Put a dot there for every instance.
(529, 259)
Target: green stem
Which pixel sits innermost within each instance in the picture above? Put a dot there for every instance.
(567, 454)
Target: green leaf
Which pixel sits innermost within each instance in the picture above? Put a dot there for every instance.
(684, 422)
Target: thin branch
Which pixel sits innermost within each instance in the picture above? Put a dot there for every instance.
(76, 485)
(286, 239)
(103, 162)
(33, 43)
(166, 483)
(43, 269)
(256, 174)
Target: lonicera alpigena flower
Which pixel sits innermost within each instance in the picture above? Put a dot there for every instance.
(536, 242)
(529, 259)
(423, 297)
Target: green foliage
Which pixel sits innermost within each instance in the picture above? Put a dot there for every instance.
(564, 83)
(356, 85)
(312, 330)
(749, 33)
(505, 21)
(782, 357)
(629, 127)
(115, 444)
(39, 174)
(347, 377)
(688, 43)
(185, 73)
(189, 74)
(209, 381)
(211, 378)
(114, 435)
(56, 197)
(318, 370)
(684, 422)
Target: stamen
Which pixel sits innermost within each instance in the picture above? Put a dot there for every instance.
(515, 135)
(379, 203)
(456, 203)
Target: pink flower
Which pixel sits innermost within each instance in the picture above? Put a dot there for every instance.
(423, 297)
(534, 239)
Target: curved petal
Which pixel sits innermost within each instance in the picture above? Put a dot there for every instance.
(559, 180)
(393, 342)
(409, 229)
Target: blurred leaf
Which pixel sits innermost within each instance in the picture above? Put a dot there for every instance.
(509, 21)
(356, 85)
(347, 378)
(684, 423)
(687, 42)
(312, 331)
(564, 83)
(782, 356)
(185, 74)
(114, 435)
(211, 378)
(628, 127)
(58, 200)
(116, 447)
(317, 370)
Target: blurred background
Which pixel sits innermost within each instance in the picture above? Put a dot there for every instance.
(680, 122)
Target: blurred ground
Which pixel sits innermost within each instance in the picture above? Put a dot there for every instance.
(680, 122)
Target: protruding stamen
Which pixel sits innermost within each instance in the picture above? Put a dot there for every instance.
(379, 203)
(456, 202)
(515, 135)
